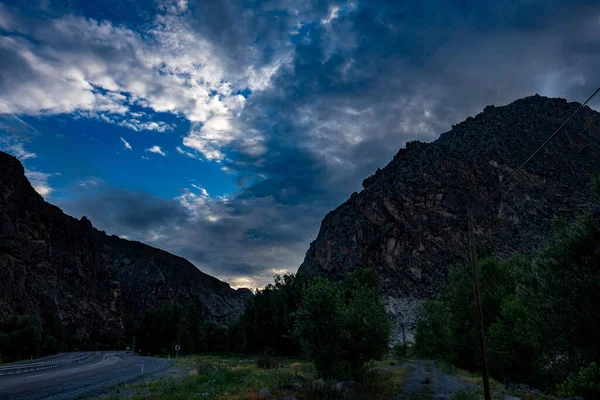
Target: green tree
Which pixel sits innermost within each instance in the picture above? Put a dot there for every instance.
(341, 327)
(319, 326)
(366, 323)
(21, 337)
(50, 345)
(75, 342)
(268, 319)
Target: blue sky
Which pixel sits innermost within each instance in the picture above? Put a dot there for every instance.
(224, 131)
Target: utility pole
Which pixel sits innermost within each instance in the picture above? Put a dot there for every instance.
(478, 310)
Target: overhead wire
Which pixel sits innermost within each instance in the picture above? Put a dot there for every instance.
(532, 155)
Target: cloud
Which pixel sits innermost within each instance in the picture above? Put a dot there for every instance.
(156, 150)
(239, 240)
(39, 181)
(298, 101)
(18, 151)
(90, 182)
(98, 69)
(126, 144)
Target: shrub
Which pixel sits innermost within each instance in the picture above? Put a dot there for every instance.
(342, 328)
(319, 326)
(50, 345)
(584, 383)
(464, 394)
(267, 362)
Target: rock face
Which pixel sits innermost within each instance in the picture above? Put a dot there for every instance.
(51, 263)
(409, 222)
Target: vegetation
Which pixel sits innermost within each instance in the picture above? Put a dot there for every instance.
(338, 326)
(237, 378)
(341, 328)
(26, 336)
(540, 314)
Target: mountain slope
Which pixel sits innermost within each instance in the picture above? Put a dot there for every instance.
(409, 222)
(51, 263)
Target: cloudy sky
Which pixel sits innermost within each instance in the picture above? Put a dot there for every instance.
(224, 131)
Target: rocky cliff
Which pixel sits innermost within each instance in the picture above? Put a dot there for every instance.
(409, 221)
(51, 263)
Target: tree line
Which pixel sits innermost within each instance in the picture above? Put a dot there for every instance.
(339, 326)
(541, 314)
(26, 336)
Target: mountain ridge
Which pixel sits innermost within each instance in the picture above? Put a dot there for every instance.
(52, 263)
(409, 221)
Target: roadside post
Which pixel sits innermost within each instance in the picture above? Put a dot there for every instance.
(177, 348)
(142, 367)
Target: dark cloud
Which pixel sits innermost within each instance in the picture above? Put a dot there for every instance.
(356, 80)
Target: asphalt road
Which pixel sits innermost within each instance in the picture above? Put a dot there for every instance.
(79, 380)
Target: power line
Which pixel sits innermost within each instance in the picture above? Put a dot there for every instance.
(532, 155)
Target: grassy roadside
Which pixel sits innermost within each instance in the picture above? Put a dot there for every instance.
(227, 377)
(497, 388)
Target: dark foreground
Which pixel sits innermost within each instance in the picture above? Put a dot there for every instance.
(80, 380)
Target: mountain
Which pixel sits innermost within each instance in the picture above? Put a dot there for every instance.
(54, 264)
(409, 222)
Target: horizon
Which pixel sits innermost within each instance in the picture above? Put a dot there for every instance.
(226, 140)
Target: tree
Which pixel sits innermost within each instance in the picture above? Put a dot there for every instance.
(74, 342)
(341, 327)
(367, 324)
(50, 345)
(21, 337)
(268, 319)
(319, 326)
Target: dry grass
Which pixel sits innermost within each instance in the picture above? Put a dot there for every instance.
(235, 378)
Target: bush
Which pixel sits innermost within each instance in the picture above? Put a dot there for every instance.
(74, 342)
(464, 394)
(342, 328)
(267, 362)
(320, 326)
(584, 383)
(50, 345)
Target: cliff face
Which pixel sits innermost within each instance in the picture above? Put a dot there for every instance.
(97, 284)
(409, 222)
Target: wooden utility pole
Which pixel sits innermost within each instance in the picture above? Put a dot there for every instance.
(478, 310)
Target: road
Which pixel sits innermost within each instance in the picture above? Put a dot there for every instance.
(78, 380)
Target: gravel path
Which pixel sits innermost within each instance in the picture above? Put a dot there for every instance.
(427, 381)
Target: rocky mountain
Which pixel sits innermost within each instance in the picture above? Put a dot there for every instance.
(53, 264)
(409, 221)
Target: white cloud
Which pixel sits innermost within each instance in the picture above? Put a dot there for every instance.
(156, 150)
(90, 182)
(18, 151)
(59, 64)
(39, 181)
(126, 144)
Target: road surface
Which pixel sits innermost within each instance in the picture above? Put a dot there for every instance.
(78, 380)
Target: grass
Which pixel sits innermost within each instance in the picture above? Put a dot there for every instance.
(226, 377)
(496, 388)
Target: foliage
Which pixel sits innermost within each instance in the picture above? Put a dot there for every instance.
(74, 343)
(50, 345)
(464, 394)
(584, 383)
(164, 327)
(366, 323)
(342, 327)
(221, 377)
(20, 337)
(268, 319)
(320, 326)
(540, 313)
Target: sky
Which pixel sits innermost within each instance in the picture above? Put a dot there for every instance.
(225, 131)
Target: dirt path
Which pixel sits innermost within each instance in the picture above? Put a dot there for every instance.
(427, 381)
